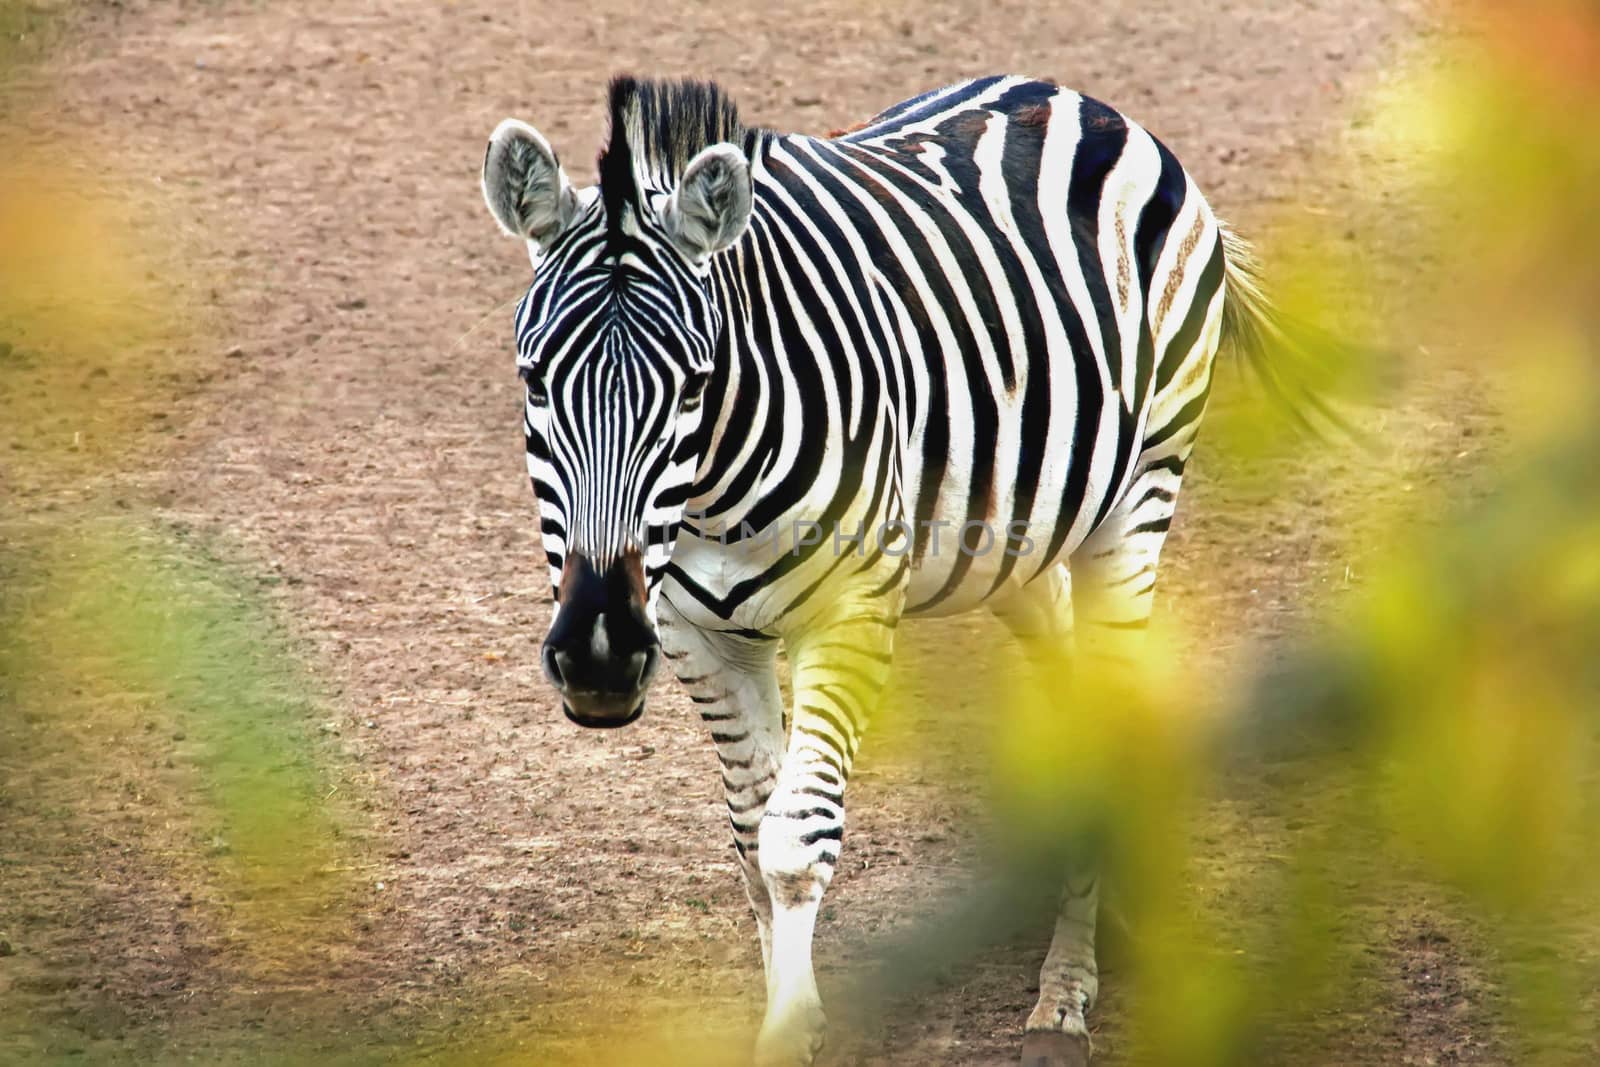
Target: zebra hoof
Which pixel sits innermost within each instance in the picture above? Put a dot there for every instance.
(1052, 1048)
(794, 1042)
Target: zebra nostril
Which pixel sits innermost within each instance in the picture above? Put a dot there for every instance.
(565, 668)
(637, 664)
(553, 667)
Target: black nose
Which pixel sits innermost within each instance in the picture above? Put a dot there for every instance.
(602, 652)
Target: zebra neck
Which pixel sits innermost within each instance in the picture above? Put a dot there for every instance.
(743, 431)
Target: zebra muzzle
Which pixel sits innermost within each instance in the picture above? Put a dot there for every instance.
(601, 651)
(602, 708)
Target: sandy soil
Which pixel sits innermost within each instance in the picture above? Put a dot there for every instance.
(348, 429)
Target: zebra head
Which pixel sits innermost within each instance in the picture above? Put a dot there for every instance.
(615, 342)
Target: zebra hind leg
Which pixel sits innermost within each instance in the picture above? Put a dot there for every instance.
(1112, 590)
(1040, 616)
(734, 685)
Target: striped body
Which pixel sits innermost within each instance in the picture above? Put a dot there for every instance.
(993, 305)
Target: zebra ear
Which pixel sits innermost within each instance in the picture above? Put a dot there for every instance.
(709, 210)
(527, 191)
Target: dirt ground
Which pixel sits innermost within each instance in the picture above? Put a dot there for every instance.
(347, 428)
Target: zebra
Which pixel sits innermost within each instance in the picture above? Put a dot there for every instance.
(780, 390)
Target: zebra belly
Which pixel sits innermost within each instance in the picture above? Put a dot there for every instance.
(970, 590)
(1008, 509)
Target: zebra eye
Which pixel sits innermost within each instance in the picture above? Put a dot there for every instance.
(536, 390)
(693, 392)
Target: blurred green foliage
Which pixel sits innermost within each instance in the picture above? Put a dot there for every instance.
(147, 689)
(126, 627)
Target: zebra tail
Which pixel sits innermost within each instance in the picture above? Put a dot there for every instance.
(1287, 358)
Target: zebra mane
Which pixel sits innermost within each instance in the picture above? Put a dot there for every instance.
(657, 127)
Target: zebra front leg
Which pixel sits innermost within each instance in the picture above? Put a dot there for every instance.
(733, 681)
(1057, 1032)
(839, 670)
